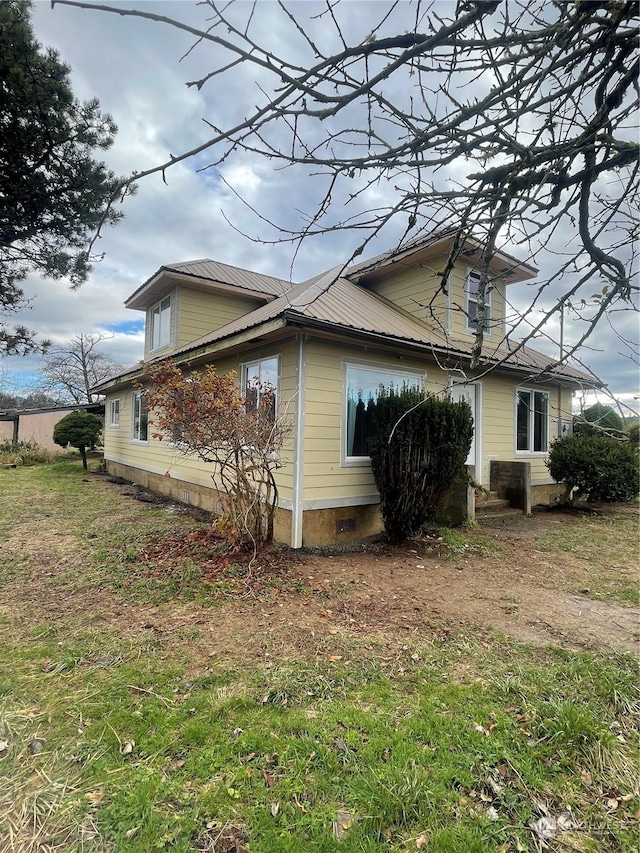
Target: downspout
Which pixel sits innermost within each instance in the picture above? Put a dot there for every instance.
(297, 509)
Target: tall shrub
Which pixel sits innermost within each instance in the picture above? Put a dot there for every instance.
(418, 450)
(602, 468)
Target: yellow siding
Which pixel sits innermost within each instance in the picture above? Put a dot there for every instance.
(417, 290)
(498, 424)
(325, 476)
(160, 458)
(200, 313)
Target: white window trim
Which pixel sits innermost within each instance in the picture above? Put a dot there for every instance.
(471, 330)
(364, 461)
(157, 304)
(243, 369)
(113, 424)
(134, 440)
(531, 454)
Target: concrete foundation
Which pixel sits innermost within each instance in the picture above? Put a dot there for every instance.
(547, 494)
(320, 527)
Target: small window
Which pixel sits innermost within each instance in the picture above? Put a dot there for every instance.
(260, 378)
(363, 386)
(114, 413)
(161, 324)
(140, 417)
(473, 285)
(532, 421)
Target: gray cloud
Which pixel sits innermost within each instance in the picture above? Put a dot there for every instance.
(133, 67)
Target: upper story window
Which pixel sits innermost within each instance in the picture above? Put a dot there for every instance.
(139, 417)
(160, 334)
(472, 287)
(114, 413)
(363, 385)
(258, 378)
(532, 421)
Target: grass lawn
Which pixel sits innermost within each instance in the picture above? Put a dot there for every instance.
(117, 733)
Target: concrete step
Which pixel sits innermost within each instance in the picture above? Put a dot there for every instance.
(494, 504)
(496, 513)
(482, 497)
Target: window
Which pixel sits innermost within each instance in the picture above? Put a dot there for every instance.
(161, 324)
(258, 378)
(363, 385)
(140, 417)
(114, 413)
(473, 284)
(532, 421)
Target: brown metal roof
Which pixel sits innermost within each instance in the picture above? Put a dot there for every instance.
(515, 269)
(338, 304)
(226, 274)
(206, 273)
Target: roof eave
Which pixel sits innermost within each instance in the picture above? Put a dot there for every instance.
(154, 287)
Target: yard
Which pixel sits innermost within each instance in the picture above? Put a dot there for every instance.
(472, 690)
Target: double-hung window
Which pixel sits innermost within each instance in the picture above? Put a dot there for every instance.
(532, 421)
(139, 417)
(114, 413)
(472, 288)
(160, 335)
(363, 385)
(260, 378)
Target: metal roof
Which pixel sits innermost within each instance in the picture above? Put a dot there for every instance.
(236, 276)
(340, 305)
(333, 301)
(207, 273)
(516, 270)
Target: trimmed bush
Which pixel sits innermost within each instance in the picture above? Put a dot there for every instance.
(80, 430)
(600, 467)
(418, 450)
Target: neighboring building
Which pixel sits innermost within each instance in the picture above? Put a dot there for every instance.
(326, 343)
(37, 424)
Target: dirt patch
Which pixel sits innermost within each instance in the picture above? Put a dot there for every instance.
(375, 594)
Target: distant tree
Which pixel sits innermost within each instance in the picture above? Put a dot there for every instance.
(33, 400)
(53, 194)
(599, 419)
(75, 369)
(80, 430)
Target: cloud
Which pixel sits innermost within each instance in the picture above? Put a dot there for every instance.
(135, 69)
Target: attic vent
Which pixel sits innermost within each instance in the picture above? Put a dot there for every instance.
(346, 525)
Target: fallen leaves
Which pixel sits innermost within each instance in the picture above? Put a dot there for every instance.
(344, 820)
(210, 561)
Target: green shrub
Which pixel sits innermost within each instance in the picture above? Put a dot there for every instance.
(80, 430)
(23, 453)
(599, 420)
(602, 468)
(633, 435)
(418, 449)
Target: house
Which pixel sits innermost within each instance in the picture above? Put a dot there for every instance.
(324, 344)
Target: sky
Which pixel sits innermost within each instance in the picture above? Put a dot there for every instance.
(134, 68)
